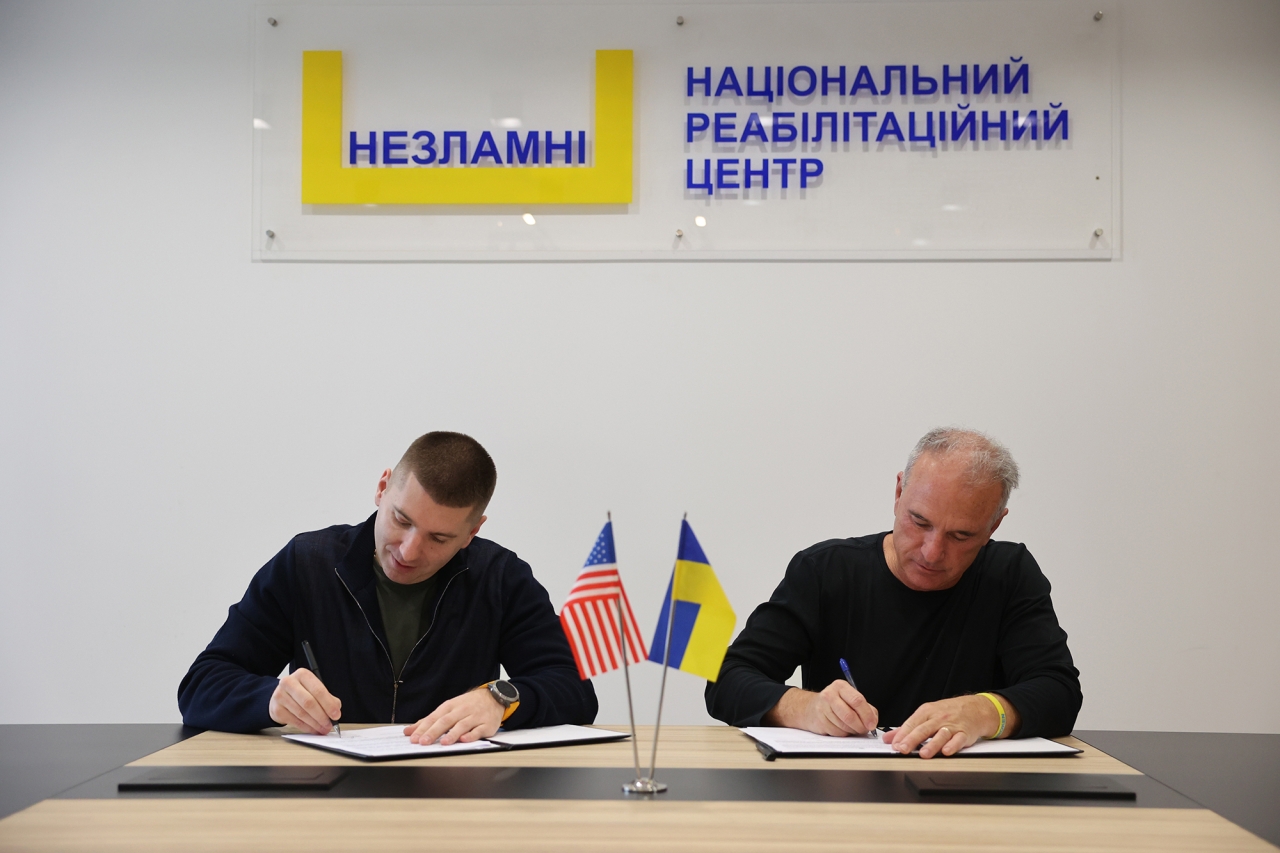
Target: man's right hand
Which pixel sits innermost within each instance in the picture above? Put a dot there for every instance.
(300, 699)
(838, 710)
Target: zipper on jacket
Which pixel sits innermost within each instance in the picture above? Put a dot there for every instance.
(390, 664)
(396, 682)
(432, 624)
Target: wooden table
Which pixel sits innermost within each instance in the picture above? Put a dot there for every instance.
(392, 824)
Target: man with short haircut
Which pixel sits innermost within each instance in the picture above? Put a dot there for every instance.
(949, 636)
(409, 616)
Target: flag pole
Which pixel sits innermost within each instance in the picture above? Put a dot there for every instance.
(655, 787)
(626, 671)
(631, 712)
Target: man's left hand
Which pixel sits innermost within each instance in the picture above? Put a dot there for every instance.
(462, 719)
(950, 725)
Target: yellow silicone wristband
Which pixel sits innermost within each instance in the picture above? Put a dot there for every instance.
(1000, 711)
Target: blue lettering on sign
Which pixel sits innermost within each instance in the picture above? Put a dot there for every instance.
(767, 91)
(927, 136)
(427, 147)
(779, 126)
(695, 123)
(901, 91)
(809, 169)
(785, 163)
(550, 147)
(817, 128)
(728, 83)
(401, 148)
(889, 127)
(724, 173)
(754, 129)
(808, 89)
(705, 183)
(522, 153)
(486, 147)
(725, 127)
(449, 137)
(704, 81)
(863, 81)
(371, 147)
(389, 145)
(827, 80)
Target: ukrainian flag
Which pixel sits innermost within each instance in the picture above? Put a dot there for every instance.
(704, 619)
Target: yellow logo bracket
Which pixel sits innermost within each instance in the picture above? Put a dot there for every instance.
(326, 181)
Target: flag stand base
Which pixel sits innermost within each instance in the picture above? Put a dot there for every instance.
(644, 785)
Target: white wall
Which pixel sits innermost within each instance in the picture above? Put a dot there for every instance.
(170, 413)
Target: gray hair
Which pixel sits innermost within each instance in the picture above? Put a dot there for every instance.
(989, 460)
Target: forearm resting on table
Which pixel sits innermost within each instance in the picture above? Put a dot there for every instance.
(1012, 719)
(838, 710)
(789, 711)
(796, 707)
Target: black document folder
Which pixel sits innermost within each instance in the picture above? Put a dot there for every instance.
(234, 779)
(1042, 785)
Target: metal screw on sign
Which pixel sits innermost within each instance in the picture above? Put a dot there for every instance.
(679, 233)
(273, 21)
(271, 235)
(1097, 16)
(680, 21)
(1097, 232)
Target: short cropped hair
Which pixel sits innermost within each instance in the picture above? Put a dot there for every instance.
(452, 468)
(989, 460)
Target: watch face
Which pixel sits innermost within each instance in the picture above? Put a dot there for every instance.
(506, 691)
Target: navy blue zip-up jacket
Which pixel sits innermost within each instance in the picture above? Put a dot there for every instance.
(488, 610)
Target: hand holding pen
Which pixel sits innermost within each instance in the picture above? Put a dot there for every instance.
(302, 700)
(868, 715)
(839, 710)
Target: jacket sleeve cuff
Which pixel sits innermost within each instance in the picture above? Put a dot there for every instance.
(528, 707)
(769, 696)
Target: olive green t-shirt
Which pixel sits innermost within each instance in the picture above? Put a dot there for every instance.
(404, 613)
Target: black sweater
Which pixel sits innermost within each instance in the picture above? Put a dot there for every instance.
(994, 630)
(488, 610)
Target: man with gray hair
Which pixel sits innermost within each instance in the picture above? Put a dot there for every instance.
(950, 637)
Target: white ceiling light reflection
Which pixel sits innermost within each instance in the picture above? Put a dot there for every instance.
(700, 221)
(259, 124)
(510, 123)
(529, 220)
(952, 208)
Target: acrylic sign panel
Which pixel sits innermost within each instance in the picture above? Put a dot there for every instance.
(860, 130)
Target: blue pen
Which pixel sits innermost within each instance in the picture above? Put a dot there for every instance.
(848, 676)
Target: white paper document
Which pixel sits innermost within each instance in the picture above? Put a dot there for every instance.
(554, 736)
(383, 742)
(777, 741)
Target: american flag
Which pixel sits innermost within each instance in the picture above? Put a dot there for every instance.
(590, 613)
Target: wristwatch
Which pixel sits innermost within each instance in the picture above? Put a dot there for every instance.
(506, 695)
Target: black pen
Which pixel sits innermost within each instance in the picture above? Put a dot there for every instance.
(315, 667)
